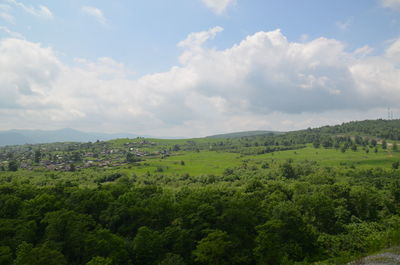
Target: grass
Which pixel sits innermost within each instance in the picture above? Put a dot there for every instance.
(208, 163)
(333, 158)
(211, 162)
(195, 163)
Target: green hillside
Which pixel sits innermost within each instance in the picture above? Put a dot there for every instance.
(244, 134)
(316, 196)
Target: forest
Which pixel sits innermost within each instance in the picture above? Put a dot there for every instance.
(317, 196)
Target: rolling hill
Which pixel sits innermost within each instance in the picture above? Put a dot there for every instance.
(244, 134)
(18, 137)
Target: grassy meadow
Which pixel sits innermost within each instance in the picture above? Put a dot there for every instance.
(212, 162)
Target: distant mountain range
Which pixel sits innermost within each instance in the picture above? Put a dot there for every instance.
(18, 137)
(244, 134)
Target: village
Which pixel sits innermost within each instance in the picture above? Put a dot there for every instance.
(75, 156)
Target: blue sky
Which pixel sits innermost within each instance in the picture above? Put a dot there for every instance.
(196, 67)
(144, 34)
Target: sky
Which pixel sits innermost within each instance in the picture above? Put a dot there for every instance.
(192, 68)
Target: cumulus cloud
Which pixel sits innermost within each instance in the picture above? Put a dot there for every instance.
(94, 12)
(40, 11)
(393, 52)
(392, 4)
(218, 6)
(265, 81)
(196, 39)
(193, 43)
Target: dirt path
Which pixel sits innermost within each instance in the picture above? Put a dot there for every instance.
(390, 257)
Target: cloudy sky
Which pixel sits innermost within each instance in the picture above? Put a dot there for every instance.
(197, 67)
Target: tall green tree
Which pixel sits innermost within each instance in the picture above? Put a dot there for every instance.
(29, 255)
(13, 165)
(384, 144)
(38, 156)
(213, 249)
(147, 246)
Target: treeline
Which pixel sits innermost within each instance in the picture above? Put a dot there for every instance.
(345, 136)
(385, 129)
(298, 214)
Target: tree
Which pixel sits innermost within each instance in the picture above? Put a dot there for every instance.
(343, 149)
(13, 165)
(316, 143)
(394, 147)
(285, 237)
(100, 261)
(38, 156)
(358, 140)
(396, 165)
(147, 246)
(384, 144)
(327, 143)
(213, 249)
(288, 171)
(336, 145)
(27, 254)
(354, 147)
(265, 165)
(172, 259)
(102, 243)
(268, 243)
(76, 157)
(132, 158)
(37, 207)
(6, 256)
(228, 171)
(70, 231)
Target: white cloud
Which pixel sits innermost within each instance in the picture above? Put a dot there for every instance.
(392, 4)
(344, 25)
(7, 17)
(11, 33)
(197, 39)
(363, 51)
(393, 52)
(5, 13)
(263, 82)
(94, 12)
(218, 6)
(5, 7)
(40, 11)
(193, 43)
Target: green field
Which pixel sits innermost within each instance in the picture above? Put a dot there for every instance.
(332, 157)
(205, 163)
(211, 162)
